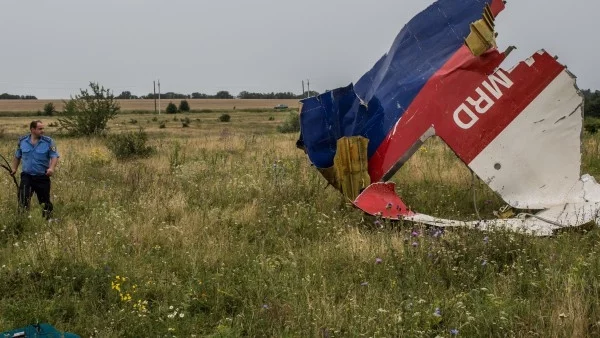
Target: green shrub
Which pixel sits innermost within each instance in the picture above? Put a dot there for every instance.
(225, 118)
(291, 124)
(89, 112)
(49, 109)
(171, 108)
(184, 106)
(185, 122)
(129, 145)
(591, 125)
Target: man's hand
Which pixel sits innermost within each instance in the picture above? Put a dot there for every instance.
(49, 172)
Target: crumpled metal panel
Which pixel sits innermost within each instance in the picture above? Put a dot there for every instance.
(518, 129)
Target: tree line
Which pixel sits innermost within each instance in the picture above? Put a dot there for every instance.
(223, 94)
(6, 96)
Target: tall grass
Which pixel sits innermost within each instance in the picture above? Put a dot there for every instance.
(228, 232)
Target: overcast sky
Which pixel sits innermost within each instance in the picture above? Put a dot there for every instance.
(51, 48)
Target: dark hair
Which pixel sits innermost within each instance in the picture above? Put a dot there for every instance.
(34, 124)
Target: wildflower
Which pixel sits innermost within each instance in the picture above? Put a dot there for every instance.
(378, 260)
(454, 332)
(437, 312)
(415, 244)
(484, 263)
(265, 306)
(364, 283)
(437, 233)
(377, 222)
(415, 233)
(181, 315)
(486, 239)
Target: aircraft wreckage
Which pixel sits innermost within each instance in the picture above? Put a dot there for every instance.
(518, 129)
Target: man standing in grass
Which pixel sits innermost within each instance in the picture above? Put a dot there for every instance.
(39, 156)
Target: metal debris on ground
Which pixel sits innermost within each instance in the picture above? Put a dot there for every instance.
(518, 129)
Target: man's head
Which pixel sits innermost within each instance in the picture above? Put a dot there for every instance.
(37, 128)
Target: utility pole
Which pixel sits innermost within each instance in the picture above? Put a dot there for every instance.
(303, 92)
(159, 96)
(154, 82)
(307, 83)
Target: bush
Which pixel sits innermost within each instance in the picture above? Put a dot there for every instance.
(88, 113)
(291, 125)
(185, 122)
(225, 118)
(591, 125)
(49, 109)
(129, 145)
(171, 108)
(184, 106)
(162, 125)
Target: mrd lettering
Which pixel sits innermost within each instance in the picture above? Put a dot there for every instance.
(465, 117)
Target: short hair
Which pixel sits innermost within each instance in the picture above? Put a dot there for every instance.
(34, 124)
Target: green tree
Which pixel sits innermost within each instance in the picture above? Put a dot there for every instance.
(223, 94)
(171, 108)
(49, 109)
(89, 112)
(184, 106)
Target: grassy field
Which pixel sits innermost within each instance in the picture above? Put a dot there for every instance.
(227, 231)
(32, 106)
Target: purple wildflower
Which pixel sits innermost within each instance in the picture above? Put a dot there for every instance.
(486, 239)
(454, 332)
(265, 306)
(437, 312)
(378, 260)
(415, 233)
(415, 244)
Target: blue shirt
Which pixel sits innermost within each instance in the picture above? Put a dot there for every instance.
(36, 158)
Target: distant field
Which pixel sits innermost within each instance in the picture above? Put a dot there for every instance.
(129, 105)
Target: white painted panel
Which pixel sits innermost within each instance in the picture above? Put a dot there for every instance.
(535, 162)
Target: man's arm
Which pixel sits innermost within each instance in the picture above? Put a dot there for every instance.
(53, 162)
(15, 165)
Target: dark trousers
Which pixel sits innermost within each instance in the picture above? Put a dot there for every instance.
(40, 185)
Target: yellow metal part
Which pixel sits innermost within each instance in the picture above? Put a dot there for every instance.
(505, 212)
(482, 37)
(351, 165)
(329, 174)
